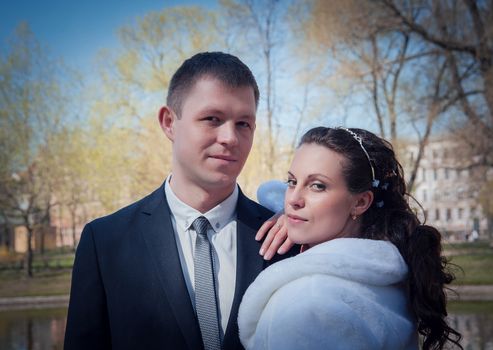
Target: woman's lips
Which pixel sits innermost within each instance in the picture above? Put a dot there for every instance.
(295, 219)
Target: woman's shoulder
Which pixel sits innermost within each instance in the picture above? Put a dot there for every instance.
(280, 304)
(339, 268)
(320, 311)
(361, 260)
(312, 312)
(317, 295)
(330, 289)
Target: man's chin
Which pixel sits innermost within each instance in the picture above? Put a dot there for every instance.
(221, 180)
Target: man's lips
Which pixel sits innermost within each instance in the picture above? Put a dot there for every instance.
(224, 157)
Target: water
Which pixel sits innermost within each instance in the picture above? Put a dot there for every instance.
(38, 329)
(474, 320)
(44, 329)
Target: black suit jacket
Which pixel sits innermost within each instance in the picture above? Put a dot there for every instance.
(128, 289)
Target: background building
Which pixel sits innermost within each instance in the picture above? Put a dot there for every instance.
(449, 191)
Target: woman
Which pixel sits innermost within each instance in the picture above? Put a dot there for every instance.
(370, 276)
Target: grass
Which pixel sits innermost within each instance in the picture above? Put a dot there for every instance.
(479, 247)
(14, 283)
(49, 260)
(33, 313)
(52, 274)
(470, 307)
(474, 262)
(52, 271)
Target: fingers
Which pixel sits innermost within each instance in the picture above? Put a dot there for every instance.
(267, 226)
(278, 239)
(286, 246)
(271, 234)
(275, 239)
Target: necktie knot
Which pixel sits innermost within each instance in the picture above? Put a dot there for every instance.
(200, 225)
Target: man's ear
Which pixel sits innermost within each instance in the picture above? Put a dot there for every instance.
(167, 119)
(363, 202)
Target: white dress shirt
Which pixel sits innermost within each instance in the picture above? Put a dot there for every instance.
(221, 234)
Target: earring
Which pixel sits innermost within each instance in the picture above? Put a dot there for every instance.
(354, 217)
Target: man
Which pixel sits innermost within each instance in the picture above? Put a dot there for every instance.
(169, 271)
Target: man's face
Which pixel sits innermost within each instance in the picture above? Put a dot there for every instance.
(214, 134)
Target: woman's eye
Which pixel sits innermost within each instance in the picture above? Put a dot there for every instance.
(318, 186)
(291, 182)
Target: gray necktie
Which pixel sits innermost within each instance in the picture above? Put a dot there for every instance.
(205, 288)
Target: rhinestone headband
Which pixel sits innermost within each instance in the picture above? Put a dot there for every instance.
(375, 182)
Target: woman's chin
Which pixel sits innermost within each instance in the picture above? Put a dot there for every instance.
(296, 239)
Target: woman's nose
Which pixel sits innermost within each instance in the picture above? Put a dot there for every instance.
(294, 197)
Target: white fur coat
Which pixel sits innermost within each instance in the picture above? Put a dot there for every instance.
(341, 294)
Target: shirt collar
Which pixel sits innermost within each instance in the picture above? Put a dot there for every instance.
(219, 216)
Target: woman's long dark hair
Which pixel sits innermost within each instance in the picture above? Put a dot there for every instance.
(391, 218)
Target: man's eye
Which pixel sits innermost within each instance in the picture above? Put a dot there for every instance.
(318, 186)
(291, 182)
(244, 124)
(213, 119)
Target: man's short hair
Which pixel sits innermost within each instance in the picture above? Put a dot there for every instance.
(226, 68)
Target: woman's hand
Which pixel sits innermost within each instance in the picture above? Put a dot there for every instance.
(277, 240)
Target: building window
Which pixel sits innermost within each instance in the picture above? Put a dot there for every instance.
(449, 214)
(460, 213)
(423, 171)
(424, 196)
(446, 173)
(426, 214)
(435, 174)
(437, 214)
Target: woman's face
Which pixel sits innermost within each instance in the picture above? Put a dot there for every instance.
(318, 204)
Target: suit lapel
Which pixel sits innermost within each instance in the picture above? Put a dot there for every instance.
(248, 262)
(159, 237)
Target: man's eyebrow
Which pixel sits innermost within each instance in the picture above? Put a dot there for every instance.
(217, 111)
(211, 111)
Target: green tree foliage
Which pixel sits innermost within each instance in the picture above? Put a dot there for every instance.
(134, 86)
(413, 65)
(415, 62)
(261, 33)
(31, 108)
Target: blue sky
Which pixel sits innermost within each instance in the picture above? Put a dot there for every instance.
(76, 30)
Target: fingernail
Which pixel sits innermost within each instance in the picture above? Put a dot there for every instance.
(257, 238)
(262, 251)
(280, 251)
(268, 256)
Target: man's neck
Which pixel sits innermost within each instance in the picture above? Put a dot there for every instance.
(197, 197)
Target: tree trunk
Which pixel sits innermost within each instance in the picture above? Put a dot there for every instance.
(29, 253)
(74, 237)
(73, 214)
(42, 240)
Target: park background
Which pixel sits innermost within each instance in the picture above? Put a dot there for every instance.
(81, 84)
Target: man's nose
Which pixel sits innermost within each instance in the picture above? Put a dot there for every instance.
(227, 134)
